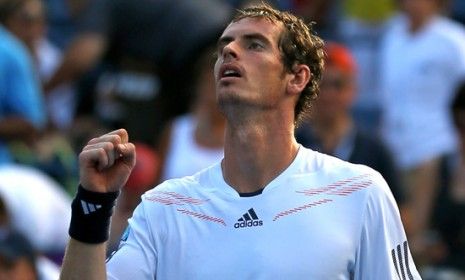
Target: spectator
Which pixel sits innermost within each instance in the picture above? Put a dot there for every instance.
(423, 59)
(195, 140)
(362, 27)
(22, 112)
(28, 23)
(138, 87)
(52, 151)
(450, 206)
(332, 129)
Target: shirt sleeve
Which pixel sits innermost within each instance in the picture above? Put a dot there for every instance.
(383, 251)
(136, 257)
(24, 94)
(456, 55)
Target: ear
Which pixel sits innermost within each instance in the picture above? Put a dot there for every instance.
(300, 76)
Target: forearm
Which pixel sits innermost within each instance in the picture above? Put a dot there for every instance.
(103, 174)
(84, 53)
(84, 261)
(16, 128)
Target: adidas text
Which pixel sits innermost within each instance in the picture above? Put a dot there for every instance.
(248, 224)
(249, 219)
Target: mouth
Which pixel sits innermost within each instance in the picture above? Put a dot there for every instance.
(229, 71)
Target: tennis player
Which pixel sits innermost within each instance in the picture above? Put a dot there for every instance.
(271, 209)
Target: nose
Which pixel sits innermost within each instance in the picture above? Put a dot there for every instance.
(230, 51)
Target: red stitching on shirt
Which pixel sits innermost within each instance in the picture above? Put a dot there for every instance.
(340, 187)
(300, 208)
(346, 190)
(202, 216)
(169, 198)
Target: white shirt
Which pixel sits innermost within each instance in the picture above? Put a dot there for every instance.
(61, 101)
(322, 218)
(419, 73)
(184, 156)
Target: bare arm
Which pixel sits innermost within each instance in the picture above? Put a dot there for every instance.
(81, 255)
(104, 167)
(17, 128)
(82, 54)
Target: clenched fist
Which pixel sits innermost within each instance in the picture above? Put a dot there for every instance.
(106, 162)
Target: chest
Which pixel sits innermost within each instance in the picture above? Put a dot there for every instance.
(286, 236)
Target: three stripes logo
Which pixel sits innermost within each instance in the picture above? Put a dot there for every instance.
(89, 207)
(401, 263)
(249, 219)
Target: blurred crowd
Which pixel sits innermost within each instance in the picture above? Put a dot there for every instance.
(392, 97)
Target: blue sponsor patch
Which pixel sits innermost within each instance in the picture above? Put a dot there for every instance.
(125, 234)
(123, 239)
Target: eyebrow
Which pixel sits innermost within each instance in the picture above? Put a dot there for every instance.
(250, 36)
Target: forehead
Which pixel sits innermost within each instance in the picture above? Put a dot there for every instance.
(252, 25)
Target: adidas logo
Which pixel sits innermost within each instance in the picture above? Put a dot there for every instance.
(249, 219)
(89, 207)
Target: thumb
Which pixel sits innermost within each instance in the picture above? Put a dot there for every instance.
(127, 154)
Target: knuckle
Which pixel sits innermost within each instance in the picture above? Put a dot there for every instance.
(93, 140)
(82, 156)
(116, 139)
(108, 146)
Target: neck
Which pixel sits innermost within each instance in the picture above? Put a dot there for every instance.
(331, 133)
(257, 152)
(417, 24)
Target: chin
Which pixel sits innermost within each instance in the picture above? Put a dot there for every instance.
(228, 98)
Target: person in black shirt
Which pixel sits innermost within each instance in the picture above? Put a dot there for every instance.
(332, 130)
(129, 55)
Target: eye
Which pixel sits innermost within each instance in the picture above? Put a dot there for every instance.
(254, 45)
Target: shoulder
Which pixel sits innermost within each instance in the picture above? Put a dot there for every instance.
(333, 165)
(183, 120)
(11, 49)
(397, 23)
(372, 190)
(449, 31)
(189, 186)
(182, 185)
(350, 174)
(452, 27)
(160, 205)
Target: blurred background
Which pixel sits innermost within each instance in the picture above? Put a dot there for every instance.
(392, 97)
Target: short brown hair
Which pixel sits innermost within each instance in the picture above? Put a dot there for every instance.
(299, 45)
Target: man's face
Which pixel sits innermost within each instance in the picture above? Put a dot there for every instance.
(419, 9)
(28, 23)
(249, 69)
